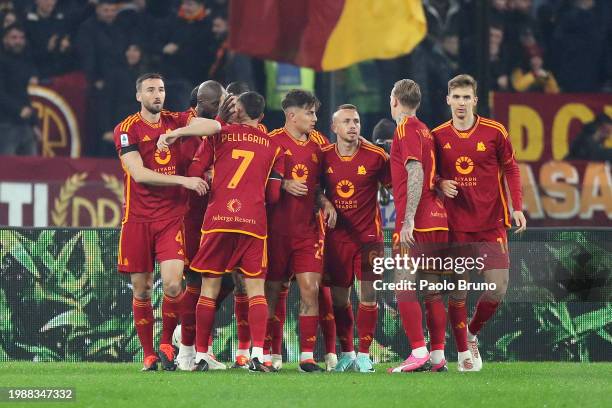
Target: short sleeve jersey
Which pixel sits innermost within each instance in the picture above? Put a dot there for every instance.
(412, 141)
(351, 184)
(295, 216)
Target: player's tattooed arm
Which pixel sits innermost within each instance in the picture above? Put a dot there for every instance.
(413, 197)
(329, 212)
(196, 127)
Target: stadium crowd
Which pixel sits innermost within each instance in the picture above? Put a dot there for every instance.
(535, 46)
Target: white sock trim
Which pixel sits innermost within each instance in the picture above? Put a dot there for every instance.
(257, 352)
(306, 356)
(420, 352)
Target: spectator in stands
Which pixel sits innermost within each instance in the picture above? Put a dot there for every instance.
(101, 44)
(530, 75)
(188, 49)
(229, 66)
(49, 38)
(431, 68)
(499, 10)
(119, 100)
(8, 18)
(583, 49)
(135, 19)
(518, 20)
(442, 16)
(17, 115)
(594, 142)
(497, 60)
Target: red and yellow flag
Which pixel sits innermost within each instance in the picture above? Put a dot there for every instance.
(326, 34)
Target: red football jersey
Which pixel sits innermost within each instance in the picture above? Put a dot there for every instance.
(144, 203)
(242, 158)
(291, 215)
(412, 141)
(475, 159)
(351, 184)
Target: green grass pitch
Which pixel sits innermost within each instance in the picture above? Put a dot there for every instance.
(498, 385)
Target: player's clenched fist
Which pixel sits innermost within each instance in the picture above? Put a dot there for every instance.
(295, 187)
(449, 188)
(196, 184)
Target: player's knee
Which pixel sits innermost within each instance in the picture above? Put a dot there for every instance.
(142, 293)
(172, 288)
(310, 294)
(142, 289)
(499, 293)
(339, 298)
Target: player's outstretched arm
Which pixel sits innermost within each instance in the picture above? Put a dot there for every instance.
(196, 127)
(132, 161)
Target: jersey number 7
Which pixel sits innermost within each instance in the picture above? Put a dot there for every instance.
(247, 157)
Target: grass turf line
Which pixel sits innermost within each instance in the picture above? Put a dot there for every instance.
(498, 385)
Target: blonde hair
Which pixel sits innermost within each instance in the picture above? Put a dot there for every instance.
(407, 92)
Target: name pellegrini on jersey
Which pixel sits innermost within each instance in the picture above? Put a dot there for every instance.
(244, 137)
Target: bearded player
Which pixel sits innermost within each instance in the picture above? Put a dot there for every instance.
(420, 226)
(295, 246)
(152, 225)
(353, 169)
(475, 161)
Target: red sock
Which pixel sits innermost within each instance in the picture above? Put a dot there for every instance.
(366, 324)
(205, 319)
(308, 333)
(326, 319)
(458, 317)
(210, 340)
(278, 322)
(188, 308)
(241, 310)
(436, 321)
(412, 320)
(258, 315)
(143, 320)
(171, 310)
(485, 309)
(344, 327)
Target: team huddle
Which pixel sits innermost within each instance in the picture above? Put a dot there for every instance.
(224, 206)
